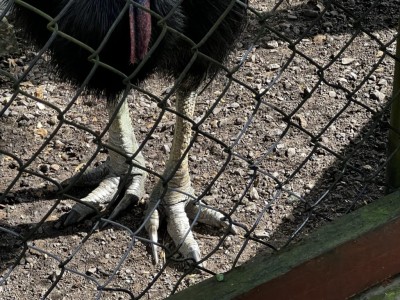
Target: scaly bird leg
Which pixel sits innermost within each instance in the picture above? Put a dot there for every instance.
(178, 202)
(109, 175)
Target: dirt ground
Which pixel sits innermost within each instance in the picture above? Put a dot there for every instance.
(305, 117)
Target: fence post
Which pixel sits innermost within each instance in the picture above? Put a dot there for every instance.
(393, 167)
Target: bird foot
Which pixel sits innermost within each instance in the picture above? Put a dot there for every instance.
(178, 206)
(108, 185)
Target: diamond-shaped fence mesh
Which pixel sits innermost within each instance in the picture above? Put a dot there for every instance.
(289, 135)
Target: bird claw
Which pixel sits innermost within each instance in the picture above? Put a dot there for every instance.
(153, 235)
(73, 217)
(206, 215)
(152, 229)
(90, 177)
(103, 195)
(178, 216)
(68, 219)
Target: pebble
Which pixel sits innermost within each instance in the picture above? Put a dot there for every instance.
(319, 38)
(251, 207)
(301, 119)
(332, 94)
(377, 95)
(261, 233)
(347, 60)
(166, 149)
(272, 45)
(234, 105)
(254, 194)
(53, 120)
(91, 271)
(55, 167)
(28, 116)
(273, 67)
(228, 242)
(290, 152)
(382, 82)
(6, 113)
(353, 75)
(41, 106)
(310, 185)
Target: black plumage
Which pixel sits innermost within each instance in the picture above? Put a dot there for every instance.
(89, 21)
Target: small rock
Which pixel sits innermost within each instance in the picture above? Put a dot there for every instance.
(55, 167)
(382, 82)
(41, 106)
(27, 116)
(217, 110)
(234, 105)
(261, 233)
(6, 113)
(290, 152)
(273, 67)
(91, 271)
(58, 144)
(353, 75)
(332, 94)
(239, 121)
(310, 185)
(254, 194)
(53, 120)
(166, 149)
(272, 45)
(347, 60)
(377, 95)
(368, 168)
(251, 207)
(228, 242)
(301, 119)
(319, 39)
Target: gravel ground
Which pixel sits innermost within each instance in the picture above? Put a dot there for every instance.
(313, 148)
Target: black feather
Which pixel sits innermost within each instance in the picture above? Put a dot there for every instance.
(89, 21)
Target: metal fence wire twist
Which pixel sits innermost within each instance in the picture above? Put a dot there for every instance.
(289, 135)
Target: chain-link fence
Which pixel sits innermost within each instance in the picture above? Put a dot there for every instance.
(289, 135)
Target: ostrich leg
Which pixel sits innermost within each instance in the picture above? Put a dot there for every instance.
(177, 205)
(109, 174)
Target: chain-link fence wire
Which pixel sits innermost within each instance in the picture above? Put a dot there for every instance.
(289, 135)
